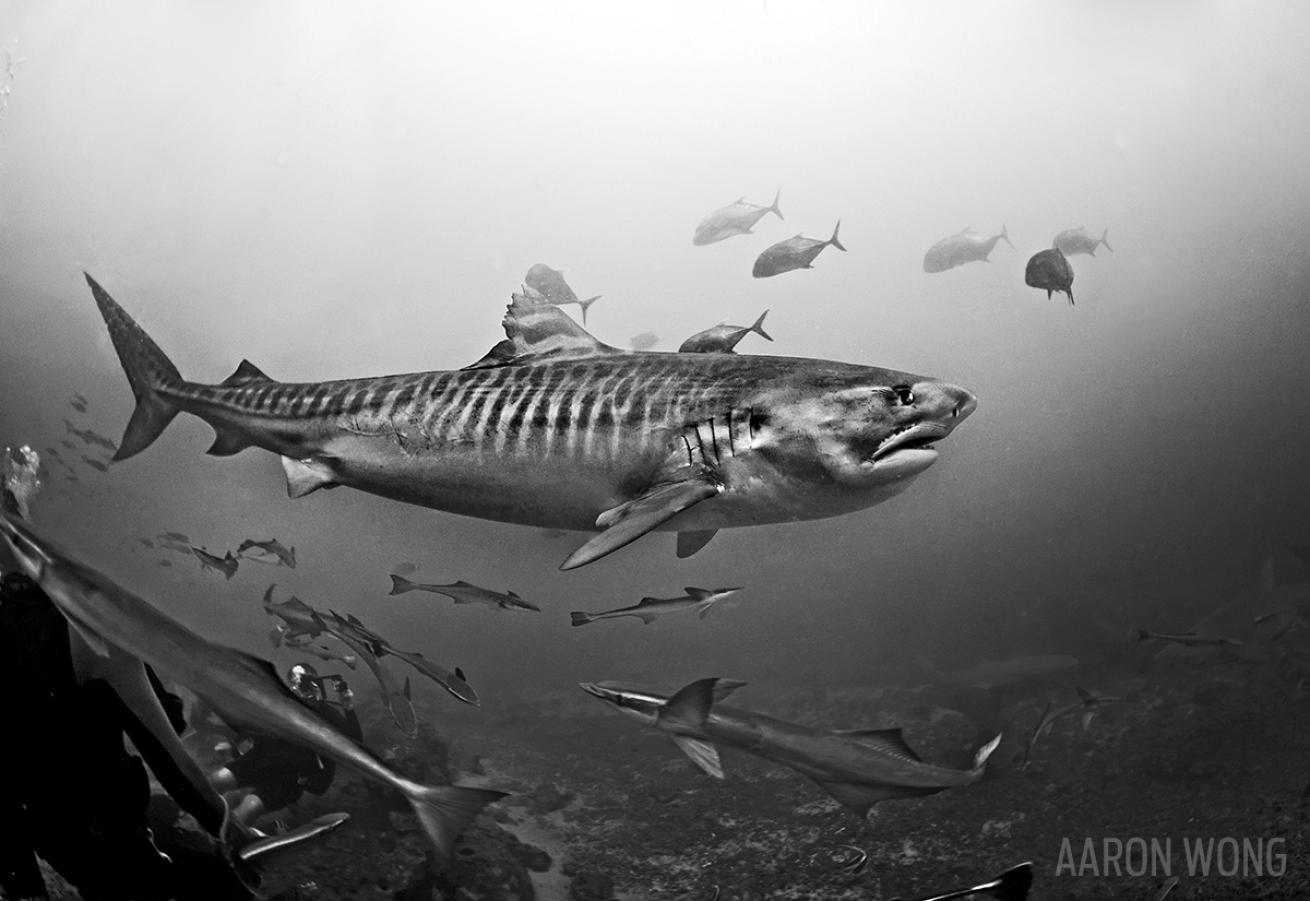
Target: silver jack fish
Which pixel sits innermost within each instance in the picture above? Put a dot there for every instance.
(648, 609)
(721, 339)
(554, 429)
(794, 253)
(965, 246)
(858, 768)
(1076, 240)
(243, 689)
(737, 218)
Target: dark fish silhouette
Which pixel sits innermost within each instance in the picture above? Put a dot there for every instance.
(794, 253)
(1188, 639)
(226, 564)
(647, 609)
(1086, 705)
(165, 562)
(721, 339)
(404, 569)
(737, 218)
(91, 436)
(550, 284)
(145, 542)
(271, 551)
(78, 403)
(966, 246)
(1050, 270)
(95, 464)
(466, 593)
(1076, 240)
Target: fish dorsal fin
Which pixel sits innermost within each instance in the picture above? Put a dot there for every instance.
(689, 707)
(246, 373)
(699, 594)
(648, 601)
(890, 741)
(536, 329)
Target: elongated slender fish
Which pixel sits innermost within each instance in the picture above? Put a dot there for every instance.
(271, 551)
(859, 768)
(554, 429)
(245, 690)
(1012, 885)
(1087, 704)
(721, 339)
(737, 218)
(227, 564)
(465, 593)
(648, 609)
(1076, 240)
(794, 253)
(550, 285)
(965, 246)
(1188, 639)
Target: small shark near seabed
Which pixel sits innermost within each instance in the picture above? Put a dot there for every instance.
(272, 552)
(721, 339)
(1188, 639)
(554, 429)
(858, 768)
(1087, 704)
(964, 246)
(227, 564)
(737, 218)
(465, 593)
(700, 599)
(1012, 885)
(124, 631)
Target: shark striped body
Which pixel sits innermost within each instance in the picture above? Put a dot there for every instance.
(557, 430)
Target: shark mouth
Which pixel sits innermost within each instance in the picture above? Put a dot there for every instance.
(918, 437)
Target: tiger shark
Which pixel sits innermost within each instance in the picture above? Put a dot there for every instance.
(555, 429)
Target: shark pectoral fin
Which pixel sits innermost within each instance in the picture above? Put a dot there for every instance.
(691, 542)
(630, 520)
(305, 476)
(702, 753)
(704, 610)
(889, 741)
(859, 797)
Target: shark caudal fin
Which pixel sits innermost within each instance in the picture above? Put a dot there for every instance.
(580, 618)
(833, 240)
(400, 585)
(980, 758)
(445, 810)
(774, 208)
(758, 327)
(1105, 234)
(148, 369)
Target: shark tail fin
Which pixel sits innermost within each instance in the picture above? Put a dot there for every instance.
(581, 619)
(758, 327)
(833, 240)
(445, 810)
(775, 209)
(148, 369)
(1013, 884)
(400, 585)
(980, 758)
(586, 303)
(1105, 233)
(1005, 236)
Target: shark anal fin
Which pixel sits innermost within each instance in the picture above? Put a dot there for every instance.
(691, 542)
(227, 442)
(306, 476)
(702, 753)
(630, 520)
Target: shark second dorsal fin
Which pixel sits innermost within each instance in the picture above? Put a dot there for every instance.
(889, 741)
(536, 329)
(246, 373)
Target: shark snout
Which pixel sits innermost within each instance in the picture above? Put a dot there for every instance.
(964, 402)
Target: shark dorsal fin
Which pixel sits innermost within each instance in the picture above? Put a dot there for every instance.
(536, 329)
(689, 707)
(890, 741)
(246, 373)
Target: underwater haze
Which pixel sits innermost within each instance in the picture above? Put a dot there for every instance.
(335, 190)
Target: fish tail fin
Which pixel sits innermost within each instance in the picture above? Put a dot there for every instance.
(586, 303)
(1013, 884)
(148, 369)
(1105, 233)
(445, 810)
(980, 758)
(1069, 293)
(758, 327)
(580, 618)
(833, 240)
(1005, 235)
(775, 209)
(400, 585)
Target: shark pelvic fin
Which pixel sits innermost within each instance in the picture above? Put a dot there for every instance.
(630, 520)
(308, 475)
(702, 753)
(691, 542)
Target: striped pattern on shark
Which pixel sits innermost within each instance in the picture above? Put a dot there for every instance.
(555, 429)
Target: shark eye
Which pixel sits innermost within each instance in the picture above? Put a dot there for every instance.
(903, 394)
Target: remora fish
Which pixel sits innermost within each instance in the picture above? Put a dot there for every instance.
(737, 218)
(1012, 885)
(858, 768)
(966, 246)
(1049, 270)
(556, 430)
(453, 682)
(1076, 240)
(243, 689)
(271, 551)
(465, 593)
(1188, 639)
(1087, 704)
(226, 564)
(721, 339)
(794, 253)
(550, 284)
(306, 646)
(649, 608)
